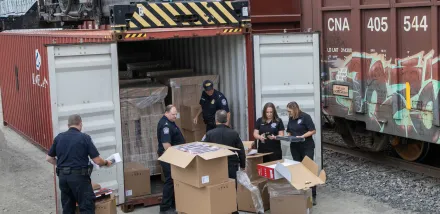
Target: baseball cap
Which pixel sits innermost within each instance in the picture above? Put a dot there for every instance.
(208, 85)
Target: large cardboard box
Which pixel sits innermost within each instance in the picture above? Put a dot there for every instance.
(187, 114)
(103, 205)
(198, 164)
(292, 203)
(244, 196)
(193, 136)
(252, 160)
(213, 199)
(301, 175)
(136, 180)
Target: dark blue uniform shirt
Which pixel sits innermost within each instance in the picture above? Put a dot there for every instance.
(300, 126)
(72, 149)
(168, 132)
(210, 105)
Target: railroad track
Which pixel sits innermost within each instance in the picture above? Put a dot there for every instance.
(381, 158)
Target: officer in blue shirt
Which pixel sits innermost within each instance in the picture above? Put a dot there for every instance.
(168, 134)
(301, 125)
(72, 150)
(211, 101)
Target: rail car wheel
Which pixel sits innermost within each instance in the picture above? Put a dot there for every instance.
(409, 149)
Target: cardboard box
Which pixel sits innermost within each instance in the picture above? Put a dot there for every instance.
(193, 136)
(136, 180)
(244, 196)
(252, 162)
(95, 186)
(214, 199)
(295, 203)
(301, 175)
(199, 170)
(187, 116)
(105, 205)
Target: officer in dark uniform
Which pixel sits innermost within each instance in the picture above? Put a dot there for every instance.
(168, 134)
(211, 101)
(266, 129)
(72, 150)
(224, 135)
(301, 125)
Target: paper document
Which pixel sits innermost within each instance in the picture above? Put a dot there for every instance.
(252, 152)
(114, 158)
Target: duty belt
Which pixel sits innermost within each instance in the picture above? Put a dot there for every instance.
(70, 171)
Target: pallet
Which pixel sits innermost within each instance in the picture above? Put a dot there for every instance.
(148, 200)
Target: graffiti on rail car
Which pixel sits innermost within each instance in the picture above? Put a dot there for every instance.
(381, 91)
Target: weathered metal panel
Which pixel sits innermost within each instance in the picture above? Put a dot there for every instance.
(287, 68)
(25, 83)
(85, 82)
(15, 7)
(284, 16)
(373, 51)
(224, 56)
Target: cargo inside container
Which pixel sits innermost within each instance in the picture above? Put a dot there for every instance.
(144, 63)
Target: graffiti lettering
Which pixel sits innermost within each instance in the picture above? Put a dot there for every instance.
(39, 82)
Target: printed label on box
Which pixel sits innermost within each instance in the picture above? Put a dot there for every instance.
(205, 179)
(128, 193)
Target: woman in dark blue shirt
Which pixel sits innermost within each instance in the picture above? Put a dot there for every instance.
(266, 129)
(301, 125)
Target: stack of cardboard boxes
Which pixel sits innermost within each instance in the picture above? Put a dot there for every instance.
(200, 174)
(185, 95)
(246, 202)
(105, 202)
(142, 105)
(296, 197)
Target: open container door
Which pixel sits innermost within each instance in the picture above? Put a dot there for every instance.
(287, 68)
(84, 81)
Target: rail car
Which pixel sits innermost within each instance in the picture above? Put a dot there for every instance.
(381, 73)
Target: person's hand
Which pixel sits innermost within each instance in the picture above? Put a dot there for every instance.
(302, 136)
(195, 120)
(243, 169)
(272, 137)
(109, 163)
(262, 138)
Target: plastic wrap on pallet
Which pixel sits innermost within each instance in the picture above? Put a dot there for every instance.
(143, 96)
(282, 187)
(169, 72)
(243, 179)
(192, 80)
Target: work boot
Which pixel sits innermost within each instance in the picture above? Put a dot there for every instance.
(314, 200)
(170, 211)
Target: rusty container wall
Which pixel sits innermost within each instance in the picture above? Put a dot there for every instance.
(284, 16)
(380, 59)
(25, 80)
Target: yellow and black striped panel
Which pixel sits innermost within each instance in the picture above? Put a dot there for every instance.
(233, 30)
(182, 14)
(135, 35)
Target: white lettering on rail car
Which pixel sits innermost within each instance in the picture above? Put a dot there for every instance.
(413, 22)
(338, 24)
(378, 24)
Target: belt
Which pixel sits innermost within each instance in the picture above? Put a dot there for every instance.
(70, 171)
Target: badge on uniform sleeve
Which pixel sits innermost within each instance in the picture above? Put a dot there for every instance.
(273, 125)
(299, 121)
(166, 130)
(224, 102)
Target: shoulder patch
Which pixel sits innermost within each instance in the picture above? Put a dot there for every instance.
(166, 130)
(224, 102)
(299, 121)
(273, 125)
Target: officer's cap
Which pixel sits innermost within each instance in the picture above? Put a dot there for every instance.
(208, 85)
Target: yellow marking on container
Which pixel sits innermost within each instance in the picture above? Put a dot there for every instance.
(408, 96)
(173, 11)
(212, 11)
(132, 25)
(163, 14)
(150, 15)
(225, 12)
(229, 4)
(141, 20)
(200, 12)
(187, 12)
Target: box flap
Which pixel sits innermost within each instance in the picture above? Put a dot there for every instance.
(323, 176)
(219, 145)
(217, 154)
(300, 175)
(311, 165)
(176, 157)
(247, 144)
(257, 155)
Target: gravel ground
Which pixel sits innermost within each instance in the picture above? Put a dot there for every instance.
(397, 188)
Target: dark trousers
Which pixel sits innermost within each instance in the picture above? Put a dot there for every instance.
(76, 189)
(299, 151)
(168, 200)
(232, 171)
